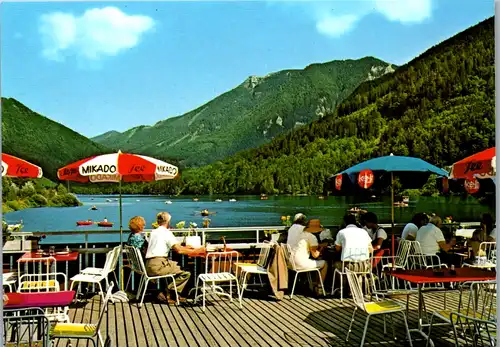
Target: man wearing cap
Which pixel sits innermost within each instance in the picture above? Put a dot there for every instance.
(161, 241)
(299, 222)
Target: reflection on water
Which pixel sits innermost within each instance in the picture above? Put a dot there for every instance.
(246, 211)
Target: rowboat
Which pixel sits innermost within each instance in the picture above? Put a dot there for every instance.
(105, 224)
(84, 222)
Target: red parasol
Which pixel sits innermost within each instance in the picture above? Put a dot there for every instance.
(16, 167)
(479, 165)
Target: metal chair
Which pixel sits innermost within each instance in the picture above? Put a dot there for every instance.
(25, 327)
(486, 257)
(362, 266)
(259, 268)
(480, 303)
(291, 266)
(371, 308)
(470, 331)
(97, 275)
(83, 330)
(218, 267)
(137, 265)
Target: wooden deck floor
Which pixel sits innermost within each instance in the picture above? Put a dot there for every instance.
(303, 321)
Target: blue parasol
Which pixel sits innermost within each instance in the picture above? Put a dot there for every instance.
(395, 165)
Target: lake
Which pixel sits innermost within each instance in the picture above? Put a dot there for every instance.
(246, 211)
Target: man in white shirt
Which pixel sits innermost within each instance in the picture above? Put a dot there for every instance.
(355, 245)
(161, 241)
(377, 233)
(410, 230)
(432, 240)
(294, 232)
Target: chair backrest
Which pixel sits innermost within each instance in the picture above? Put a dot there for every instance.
(471, 331)
(109, 261)
(116, 255)
(27, 327)
(401, 258)
(135, 260)
(288, 256)
(355, 280)
(480, 301)
(217, 262)
(264, 254)
(35, 266)
(488, 251)
(105, 305)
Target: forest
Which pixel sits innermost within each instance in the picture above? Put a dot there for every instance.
(438, 107)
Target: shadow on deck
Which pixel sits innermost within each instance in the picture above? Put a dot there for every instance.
(303, 321)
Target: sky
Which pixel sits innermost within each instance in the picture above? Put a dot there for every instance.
(96, 66)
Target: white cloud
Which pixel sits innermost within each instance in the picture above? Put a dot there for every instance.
(96, 33)
(336, 18)
(405, 11)
(336, 26)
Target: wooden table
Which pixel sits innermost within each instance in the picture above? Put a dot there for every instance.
(421, 277)
(42, 299)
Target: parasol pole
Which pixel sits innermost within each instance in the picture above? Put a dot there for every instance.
(121, 232)
(392, 217)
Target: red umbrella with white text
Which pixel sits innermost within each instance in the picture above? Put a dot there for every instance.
(16, 167)
(118, 167)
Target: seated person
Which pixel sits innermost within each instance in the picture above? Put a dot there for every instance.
(432, 241)
(376, 232)
(299, 222)
(355, 245)
(136, 237)
(410, 230)
(161, 241)
(486, 233)
(307, 246)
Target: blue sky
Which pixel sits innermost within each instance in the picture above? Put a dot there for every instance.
(96, 67)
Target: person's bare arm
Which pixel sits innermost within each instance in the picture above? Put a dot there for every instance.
(338, 248)
(378, 243)
(186, 249)
(315, 252)
(447, 246)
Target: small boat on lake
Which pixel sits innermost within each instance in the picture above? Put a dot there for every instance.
(168, 202)
(406, 199)
(84, 222)
(218, 200)
(108, 200)
(105, 224)
(232, 200)
(195, 199)
(356, 210)
(400, 204)
(93, 208)
(263, 197)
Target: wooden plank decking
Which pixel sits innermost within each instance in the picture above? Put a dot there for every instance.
(303, 321)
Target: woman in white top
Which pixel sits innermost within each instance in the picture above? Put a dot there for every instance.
(307, 247)
(299, 223)
(410, 230)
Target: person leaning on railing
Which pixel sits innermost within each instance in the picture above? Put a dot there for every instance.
(161, 241)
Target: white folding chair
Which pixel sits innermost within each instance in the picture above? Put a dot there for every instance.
(40, 275)
(97, 275)
(137, 265)
(218, 268)
(109, 266)
(292, 266)
(86, 331)
(259, 268)
(371, 308)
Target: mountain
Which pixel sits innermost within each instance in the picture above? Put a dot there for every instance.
(251, 114)
(439, 107)
(33, 137)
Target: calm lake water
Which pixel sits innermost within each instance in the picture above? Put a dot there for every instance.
(246, 211)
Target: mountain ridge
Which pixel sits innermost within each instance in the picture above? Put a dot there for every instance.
(252, 113)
